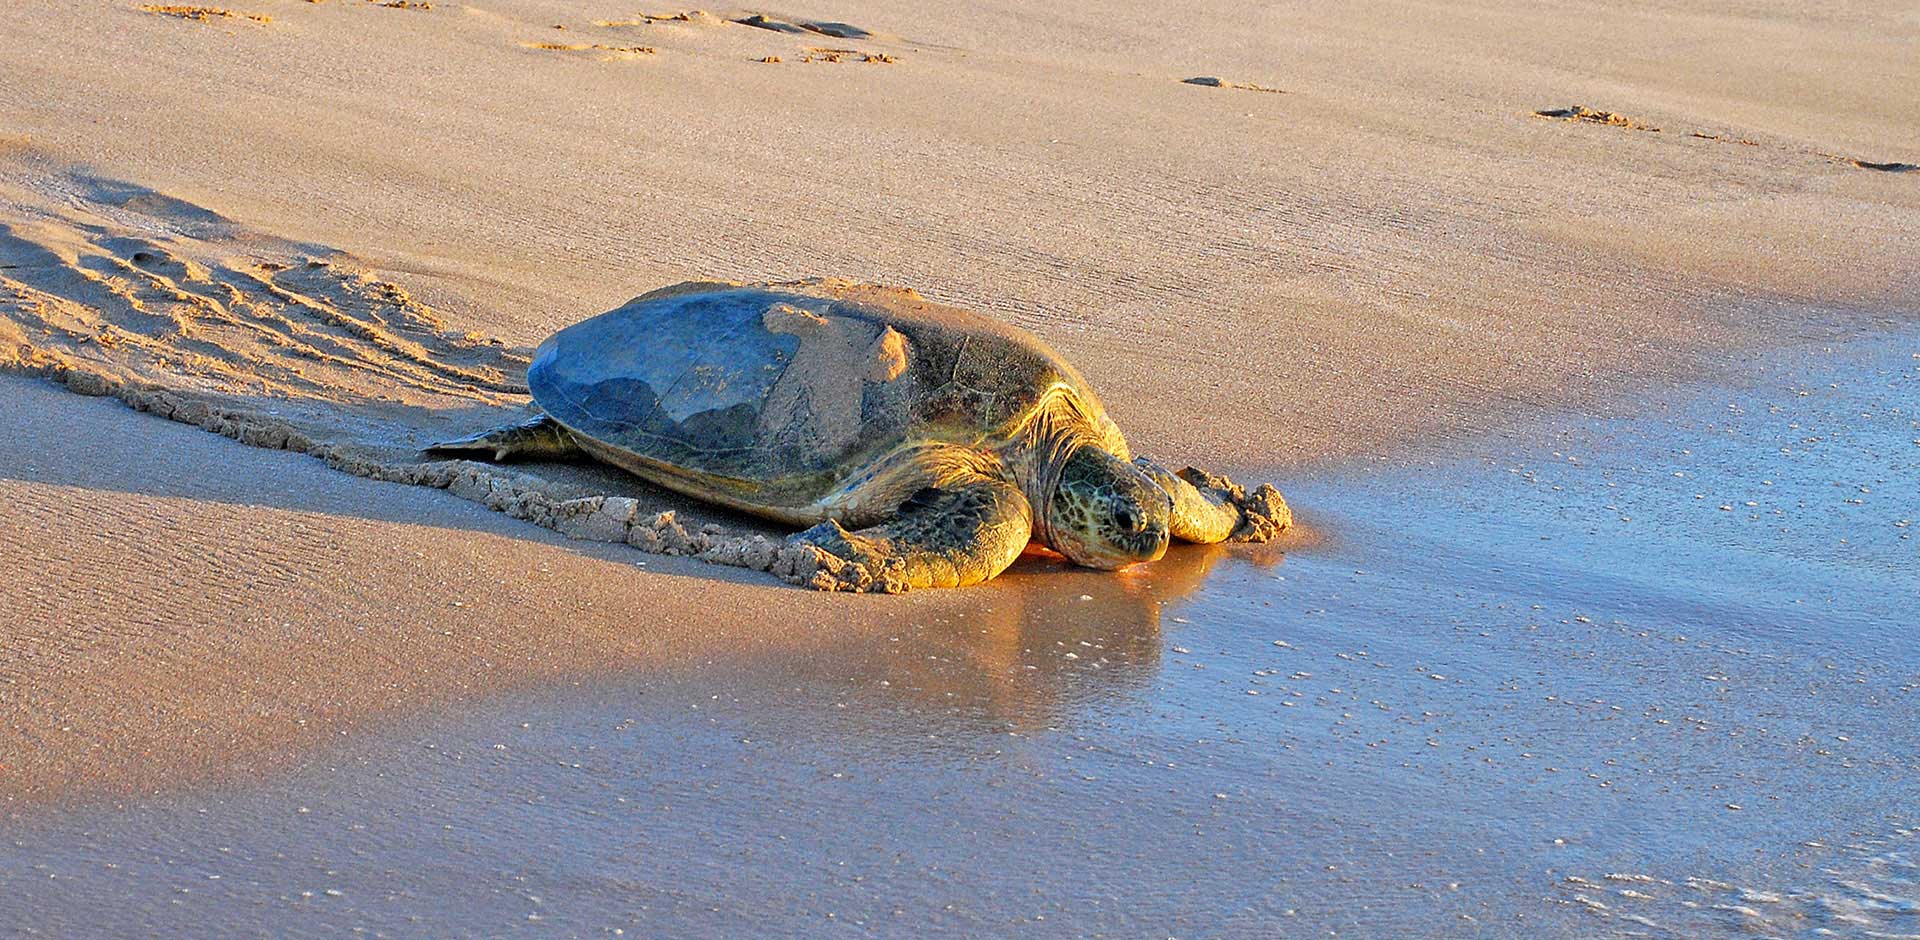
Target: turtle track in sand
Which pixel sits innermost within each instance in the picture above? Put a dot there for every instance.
(110, 288)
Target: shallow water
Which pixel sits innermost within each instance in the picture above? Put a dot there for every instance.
(1619, 678)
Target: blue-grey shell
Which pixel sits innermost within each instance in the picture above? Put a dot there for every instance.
(790, 388)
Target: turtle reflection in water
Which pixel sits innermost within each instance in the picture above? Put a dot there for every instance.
(925, 445)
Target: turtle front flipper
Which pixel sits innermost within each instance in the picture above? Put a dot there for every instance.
(1209, 508)
(956, 534)
(541, 438)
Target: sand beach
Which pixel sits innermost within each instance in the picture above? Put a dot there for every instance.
(1580, 337)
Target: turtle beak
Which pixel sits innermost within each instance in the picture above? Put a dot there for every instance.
(1145, 546)
(1158, 539)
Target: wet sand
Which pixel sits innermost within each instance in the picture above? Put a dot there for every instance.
(1607, 678)
(199, 611)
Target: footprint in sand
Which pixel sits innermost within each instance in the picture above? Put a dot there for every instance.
(1582, 114)
(819, 54)
(649, 19)
(202, 14)
(598, 50)
(710, 28)
(1209, 81)
(1858, 163)
(799, 27)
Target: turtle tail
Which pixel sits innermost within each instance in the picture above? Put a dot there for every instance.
(541, 438)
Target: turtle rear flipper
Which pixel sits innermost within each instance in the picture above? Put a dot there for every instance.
(541, 438)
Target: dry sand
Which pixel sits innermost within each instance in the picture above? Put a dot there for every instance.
(357, 217)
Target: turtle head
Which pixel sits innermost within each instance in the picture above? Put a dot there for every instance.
(1104, 513)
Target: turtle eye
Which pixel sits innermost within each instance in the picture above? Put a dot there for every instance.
(1126, 518)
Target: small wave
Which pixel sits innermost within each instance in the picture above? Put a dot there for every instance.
(1871, 889)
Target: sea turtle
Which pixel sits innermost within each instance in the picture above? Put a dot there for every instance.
(926, 443)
